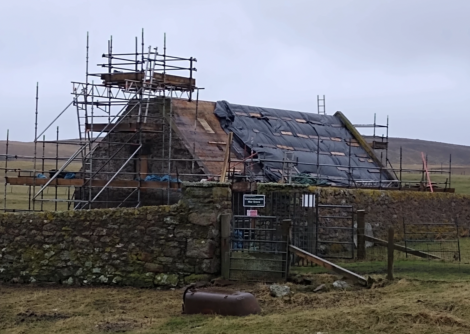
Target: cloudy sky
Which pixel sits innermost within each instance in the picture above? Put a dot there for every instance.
(409, 59)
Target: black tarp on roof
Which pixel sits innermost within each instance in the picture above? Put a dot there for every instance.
(271, 132)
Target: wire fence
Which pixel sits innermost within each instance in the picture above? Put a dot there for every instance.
(427, 251)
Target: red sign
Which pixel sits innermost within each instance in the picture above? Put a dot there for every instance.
(252, 213)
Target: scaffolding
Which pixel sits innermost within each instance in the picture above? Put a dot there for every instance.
(116, 111)
(379, 145)
(126, 124)
(378, 141)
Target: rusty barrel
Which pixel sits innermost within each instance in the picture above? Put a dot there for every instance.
(223, 302)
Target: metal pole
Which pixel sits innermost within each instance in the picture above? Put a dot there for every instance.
(190, 79)
(169, 144)
(108, 167)
(317, 218)
(90, 147)
(386, 147)
(197, 107)
(114, 176)
(56, 166)
(349, 164)
(35, 137)
(55, 119)
(450, 170)
(401, 166)
(42, 168)
(6, 173)
(375, 118)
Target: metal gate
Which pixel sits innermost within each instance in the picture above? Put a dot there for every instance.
(299, 207)
(258, 248)
(335, 231)
(321, 229)
(440, 239)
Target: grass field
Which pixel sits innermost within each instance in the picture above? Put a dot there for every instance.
(426, 297)
(402, 306)
(18, 197)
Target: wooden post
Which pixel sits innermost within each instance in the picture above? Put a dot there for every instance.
(225, 221)
(390, 250)
(286, 229)
(143, 166)
(226, 157)
(361, 240)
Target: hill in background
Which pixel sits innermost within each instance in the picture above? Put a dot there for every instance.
(437, 152)
(26, 149)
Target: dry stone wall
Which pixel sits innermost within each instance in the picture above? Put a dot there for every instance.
(160, 246)
(391, 208)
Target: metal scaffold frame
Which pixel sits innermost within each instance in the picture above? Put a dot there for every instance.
(132, 84)
(115, 111)
(379, 144)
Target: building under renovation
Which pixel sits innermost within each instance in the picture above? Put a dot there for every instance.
(143, 131)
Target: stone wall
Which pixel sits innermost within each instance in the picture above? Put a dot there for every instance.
(391, 208)
(150, 246)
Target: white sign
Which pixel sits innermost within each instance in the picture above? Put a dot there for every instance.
(253, 201)
(308, 200)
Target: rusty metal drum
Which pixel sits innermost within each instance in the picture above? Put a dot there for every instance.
(218, 301)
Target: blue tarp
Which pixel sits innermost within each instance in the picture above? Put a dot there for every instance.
(320, 145)
(158, 178)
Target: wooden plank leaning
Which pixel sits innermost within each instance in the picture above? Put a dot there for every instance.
(327, 264)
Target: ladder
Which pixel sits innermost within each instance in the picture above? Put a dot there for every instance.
(321, 105)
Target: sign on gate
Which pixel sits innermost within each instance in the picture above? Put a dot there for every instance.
(253, 201)
(308, 200)
(252, 213)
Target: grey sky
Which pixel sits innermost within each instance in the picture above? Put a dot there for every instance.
(406, 59)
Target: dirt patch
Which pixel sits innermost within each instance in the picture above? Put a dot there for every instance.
(120, 326)
(31, 316)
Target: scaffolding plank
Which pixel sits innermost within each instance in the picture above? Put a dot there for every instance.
(31, 181)
(167, 79)
(123, 127)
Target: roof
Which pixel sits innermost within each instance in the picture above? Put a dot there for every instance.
(201, 133)
(325, 147)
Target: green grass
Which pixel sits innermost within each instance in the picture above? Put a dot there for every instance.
(410, 269)
(19, 197)
(461, 183)
(406, 266)
(402, 306)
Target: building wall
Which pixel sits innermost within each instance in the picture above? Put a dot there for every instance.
(155, 146)
(150, 246)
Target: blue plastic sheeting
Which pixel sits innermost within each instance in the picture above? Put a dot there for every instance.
(164, 178)
(69, 176)
(320, 144)
(41, 176)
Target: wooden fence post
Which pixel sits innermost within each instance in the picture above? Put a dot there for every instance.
(390, 249)
(225, 221)
(361, 240)
(286, 228)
